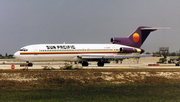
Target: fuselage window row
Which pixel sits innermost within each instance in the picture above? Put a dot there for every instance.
(80, 50)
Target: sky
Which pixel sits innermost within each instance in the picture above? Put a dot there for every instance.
(26, 22)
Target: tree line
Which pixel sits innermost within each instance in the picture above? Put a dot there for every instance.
(166, 53)
(6, 56)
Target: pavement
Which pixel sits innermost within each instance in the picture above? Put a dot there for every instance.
(91, 66)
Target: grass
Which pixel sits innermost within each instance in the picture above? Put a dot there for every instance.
(65, 86)
(97, 93)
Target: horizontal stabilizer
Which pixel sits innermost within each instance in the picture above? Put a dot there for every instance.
(155, 28)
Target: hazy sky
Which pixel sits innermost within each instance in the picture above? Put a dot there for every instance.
(25, 22)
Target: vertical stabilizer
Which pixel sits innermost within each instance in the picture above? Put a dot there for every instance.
(136, 39)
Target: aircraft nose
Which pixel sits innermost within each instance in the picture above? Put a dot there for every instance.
(17, 54)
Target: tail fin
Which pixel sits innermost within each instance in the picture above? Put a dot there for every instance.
(136, 39)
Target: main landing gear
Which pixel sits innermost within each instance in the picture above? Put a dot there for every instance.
(99, 64)
(85, 63)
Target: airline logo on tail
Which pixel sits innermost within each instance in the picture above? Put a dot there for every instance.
(136, 37)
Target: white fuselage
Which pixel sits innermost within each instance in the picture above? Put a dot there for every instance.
(68, 52)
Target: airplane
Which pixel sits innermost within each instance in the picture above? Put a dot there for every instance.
(120, 49)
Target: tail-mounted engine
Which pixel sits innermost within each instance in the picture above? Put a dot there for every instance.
(131, 50)
(115, 40)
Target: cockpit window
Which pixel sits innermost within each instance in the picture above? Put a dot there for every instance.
(23, 49)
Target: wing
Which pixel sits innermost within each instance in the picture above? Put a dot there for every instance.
(126, 56)
(91, 57)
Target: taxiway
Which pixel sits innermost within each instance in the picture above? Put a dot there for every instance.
(91, 66)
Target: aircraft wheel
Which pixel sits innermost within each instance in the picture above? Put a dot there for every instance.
(85, 64)
(100, 64)
(30, 64)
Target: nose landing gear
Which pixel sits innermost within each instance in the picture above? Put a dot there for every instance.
(29, 64)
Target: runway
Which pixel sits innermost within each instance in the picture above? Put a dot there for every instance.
(57, 66)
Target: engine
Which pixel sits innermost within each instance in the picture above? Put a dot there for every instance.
(127, 50)
(123, 41)
(115, 40)
(131, 50)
